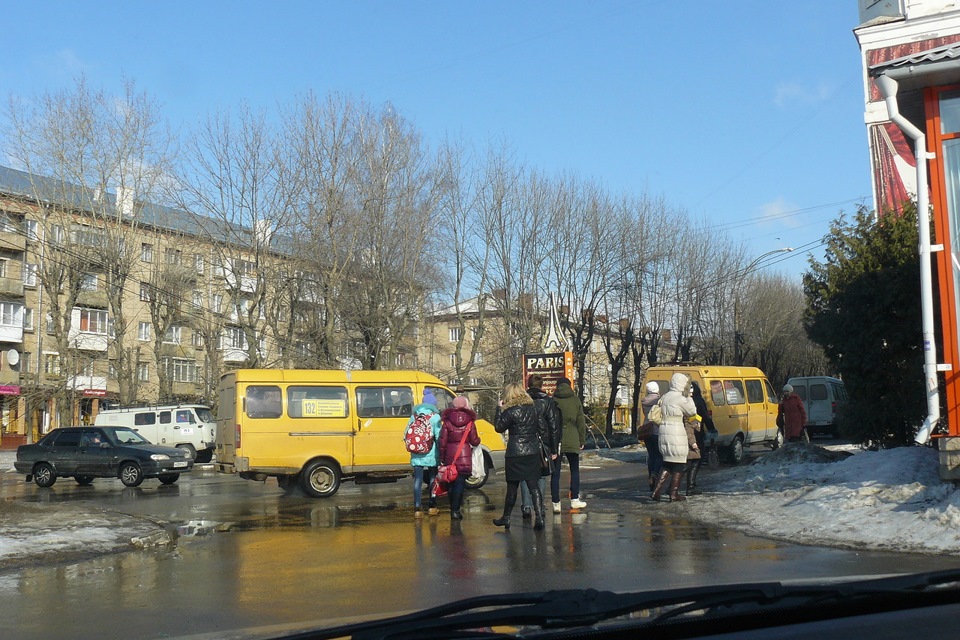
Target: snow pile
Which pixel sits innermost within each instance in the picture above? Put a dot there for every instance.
(889, 500)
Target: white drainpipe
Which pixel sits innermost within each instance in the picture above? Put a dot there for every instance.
(888, 87)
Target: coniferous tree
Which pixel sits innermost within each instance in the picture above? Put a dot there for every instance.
(864, 309)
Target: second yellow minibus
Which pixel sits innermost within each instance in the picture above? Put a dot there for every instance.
(315, 428)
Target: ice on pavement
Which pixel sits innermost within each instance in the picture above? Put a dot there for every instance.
(834, 496)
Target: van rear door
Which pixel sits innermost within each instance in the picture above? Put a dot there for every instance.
(819, 405)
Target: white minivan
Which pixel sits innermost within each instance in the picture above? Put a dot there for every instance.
(822, 397)
(190, 427)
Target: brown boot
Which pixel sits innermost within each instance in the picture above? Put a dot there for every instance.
(675, 488)
(662, 480)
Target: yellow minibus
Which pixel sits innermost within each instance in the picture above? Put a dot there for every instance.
(315, 428)
(741, 401)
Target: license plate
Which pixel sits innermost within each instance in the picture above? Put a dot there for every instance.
(179, 464)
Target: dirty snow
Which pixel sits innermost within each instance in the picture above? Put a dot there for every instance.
(832, 496)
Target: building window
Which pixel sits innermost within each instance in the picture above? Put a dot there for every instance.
(51, 364)
(30, 275)
(30, 227)
(172, 335)
(50, 327)
(146, 252)
(197, 301)
(478, 358)
(94, 321)
(144, 292)
(180, 369)
(196, 339)
(88, 282)
(233, 338)
(3, 268)
(453, 361)
(28, 319)
(143, 372)
(173, 256)
(9, 223)
(11, 314)
(57, 234)
(143, 331)
(198, 263)
(216, 303)
(455, 334)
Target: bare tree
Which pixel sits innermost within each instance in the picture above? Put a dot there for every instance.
(93, 159)
(232, 180)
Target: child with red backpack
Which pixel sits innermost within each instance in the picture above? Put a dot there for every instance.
(457, 439)
(420, 438)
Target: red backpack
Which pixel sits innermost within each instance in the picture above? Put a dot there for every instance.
(419, 434)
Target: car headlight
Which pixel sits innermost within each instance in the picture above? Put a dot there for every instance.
(159, 456)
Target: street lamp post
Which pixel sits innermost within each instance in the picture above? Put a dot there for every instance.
(737, 334)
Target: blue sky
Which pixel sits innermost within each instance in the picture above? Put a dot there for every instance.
(747, 113)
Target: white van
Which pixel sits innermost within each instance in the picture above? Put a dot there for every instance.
(190, 427)
(822, 397)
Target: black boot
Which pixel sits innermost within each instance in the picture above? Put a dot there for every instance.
(537, 496)
(508, 502)
(675, 488)
(692, 480)
(660, 482)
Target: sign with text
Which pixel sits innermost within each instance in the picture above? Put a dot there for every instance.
(552, 366)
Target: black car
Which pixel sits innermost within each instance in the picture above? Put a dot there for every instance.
(85, 453)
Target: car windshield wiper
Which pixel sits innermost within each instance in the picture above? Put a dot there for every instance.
(474, 617)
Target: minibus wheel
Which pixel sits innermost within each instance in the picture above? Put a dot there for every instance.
(320, 479)
(736, 450)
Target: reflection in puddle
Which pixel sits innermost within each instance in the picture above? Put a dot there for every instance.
(195, 528)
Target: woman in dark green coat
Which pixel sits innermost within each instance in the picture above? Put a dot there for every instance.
(572, 439)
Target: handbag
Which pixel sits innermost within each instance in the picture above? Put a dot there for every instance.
(656, 414)
(544, 457)
(646, 430)
(448, 473)
(437, 488)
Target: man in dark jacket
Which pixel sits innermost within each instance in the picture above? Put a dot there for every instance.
(551, 415)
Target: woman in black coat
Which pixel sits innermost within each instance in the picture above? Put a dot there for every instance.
(525, 425)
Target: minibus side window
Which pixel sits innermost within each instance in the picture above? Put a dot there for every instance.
(263, 401)
(771, 394)
(165, 417)
(141, 419)
(185, 416)
(716, 393)
(754, 392)
(377, 402)
(733, 390)
(316, 402)
(444, 397)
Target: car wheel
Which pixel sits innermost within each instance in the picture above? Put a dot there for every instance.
(169, 478)
(475, 482)
(189, 450)
(84, 481)
(131, 475)
(320, 479)
(44, 475)
(204, 456)
(736, 450)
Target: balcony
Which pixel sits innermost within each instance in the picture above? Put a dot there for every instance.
(12, 241)
(87, 341)
(11, 287)
(95, 299)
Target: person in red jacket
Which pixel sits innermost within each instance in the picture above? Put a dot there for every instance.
(458, 421)
(792, 415)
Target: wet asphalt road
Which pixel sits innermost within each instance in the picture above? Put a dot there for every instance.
(247, 556)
